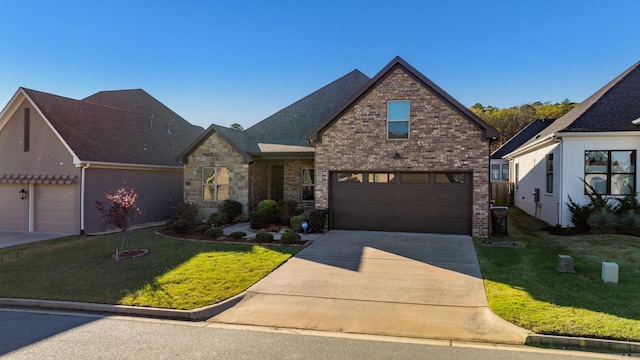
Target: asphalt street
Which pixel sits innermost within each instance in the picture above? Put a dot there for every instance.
(38, 335)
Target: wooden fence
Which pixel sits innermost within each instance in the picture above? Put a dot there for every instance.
(502, 193)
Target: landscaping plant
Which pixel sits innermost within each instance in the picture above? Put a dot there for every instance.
(232, 208)
(122, 208)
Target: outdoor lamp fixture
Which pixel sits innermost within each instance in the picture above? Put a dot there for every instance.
(23, 194)
(396, 156)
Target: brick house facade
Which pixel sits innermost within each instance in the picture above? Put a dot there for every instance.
(444, 140)
(441, 139)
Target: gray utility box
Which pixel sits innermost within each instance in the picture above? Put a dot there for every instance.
(499, 220)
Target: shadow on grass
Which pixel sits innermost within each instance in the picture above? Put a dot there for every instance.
(533, 268)
(81, 268)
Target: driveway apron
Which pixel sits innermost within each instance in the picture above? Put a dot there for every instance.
(395, 284)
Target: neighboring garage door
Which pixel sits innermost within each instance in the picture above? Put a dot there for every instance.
(13, 211)
(54, 210)
(408, 202)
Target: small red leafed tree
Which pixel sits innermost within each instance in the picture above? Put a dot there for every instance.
(122, 208)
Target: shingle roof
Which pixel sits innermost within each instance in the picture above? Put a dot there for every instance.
(128, 126)
(610, 109)
(521, 137)
(488, 131)
(284, 132)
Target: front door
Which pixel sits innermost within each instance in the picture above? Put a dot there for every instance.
(277, 182)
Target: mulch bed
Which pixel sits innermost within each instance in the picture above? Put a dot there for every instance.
(191, 235)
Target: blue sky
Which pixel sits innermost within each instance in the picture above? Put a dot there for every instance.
(240, 61)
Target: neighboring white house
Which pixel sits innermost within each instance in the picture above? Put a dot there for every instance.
(500, 165)
(597, 141)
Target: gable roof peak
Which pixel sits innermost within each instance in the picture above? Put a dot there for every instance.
(488, 131)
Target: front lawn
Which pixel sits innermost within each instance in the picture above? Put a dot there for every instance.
(174, 274)
(524, 286)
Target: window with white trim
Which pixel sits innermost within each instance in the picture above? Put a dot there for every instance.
(307, 184)
(398, 119)
(215, 183)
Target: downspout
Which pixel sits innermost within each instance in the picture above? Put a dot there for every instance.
(82, 196)
(32, 201)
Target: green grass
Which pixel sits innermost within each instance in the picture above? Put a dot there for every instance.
(175, 274)
(524, 287)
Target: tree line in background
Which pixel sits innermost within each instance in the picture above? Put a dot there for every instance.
(509, 121)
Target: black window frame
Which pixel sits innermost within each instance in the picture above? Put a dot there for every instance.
(609, 173)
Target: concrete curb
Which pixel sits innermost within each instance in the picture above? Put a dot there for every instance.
(199, 314)
(585, 344)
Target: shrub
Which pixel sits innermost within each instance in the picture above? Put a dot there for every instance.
(168, 224)
(187, 212)
(238, 234)
(213, 232)
(258, 220)
(264, 237)
(628, 203)
(579, 214)
(290, 237)
(298, 211)
(601, 221)
(232, 208)
(317, 219)
(268, 205)
(219, 218)
(200, 229)
(296, 222)
(629, 223)
(287, 207)
(598, 201)
(180, 226)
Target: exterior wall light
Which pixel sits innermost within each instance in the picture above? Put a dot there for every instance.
(396, 156)
(23, 194)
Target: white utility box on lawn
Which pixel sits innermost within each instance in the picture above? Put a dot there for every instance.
(610, 272)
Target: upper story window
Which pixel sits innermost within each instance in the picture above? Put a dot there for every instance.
(398, 119)
(610, 172)
(215, 183)
(307, 184)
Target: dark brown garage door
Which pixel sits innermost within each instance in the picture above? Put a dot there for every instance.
(409, 202)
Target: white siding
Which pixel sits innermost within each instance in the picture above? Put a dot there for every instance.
(574, 164)
(532, 175)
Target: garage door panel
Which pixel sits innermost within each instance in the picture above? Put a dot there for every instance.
(54, 208)
(419, 204)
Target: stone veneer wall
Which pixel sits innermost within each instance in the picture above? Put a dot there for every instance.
(215, 151)
(440, 140)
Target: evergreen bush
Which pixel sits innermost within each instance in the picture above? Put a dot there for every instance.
(232, 208)
(264, 237)
(290, 237)
(219, 218)
(180, 226)
(258, 220)
(213, 232)
(601, 221)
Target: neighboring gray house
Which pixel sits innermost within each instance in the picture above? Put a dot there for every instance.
(390, 153)
(597, 141)
(61, 155)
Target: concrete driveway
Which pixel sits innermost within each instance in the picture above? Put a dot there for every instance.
(10, 238)
(396, 284)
